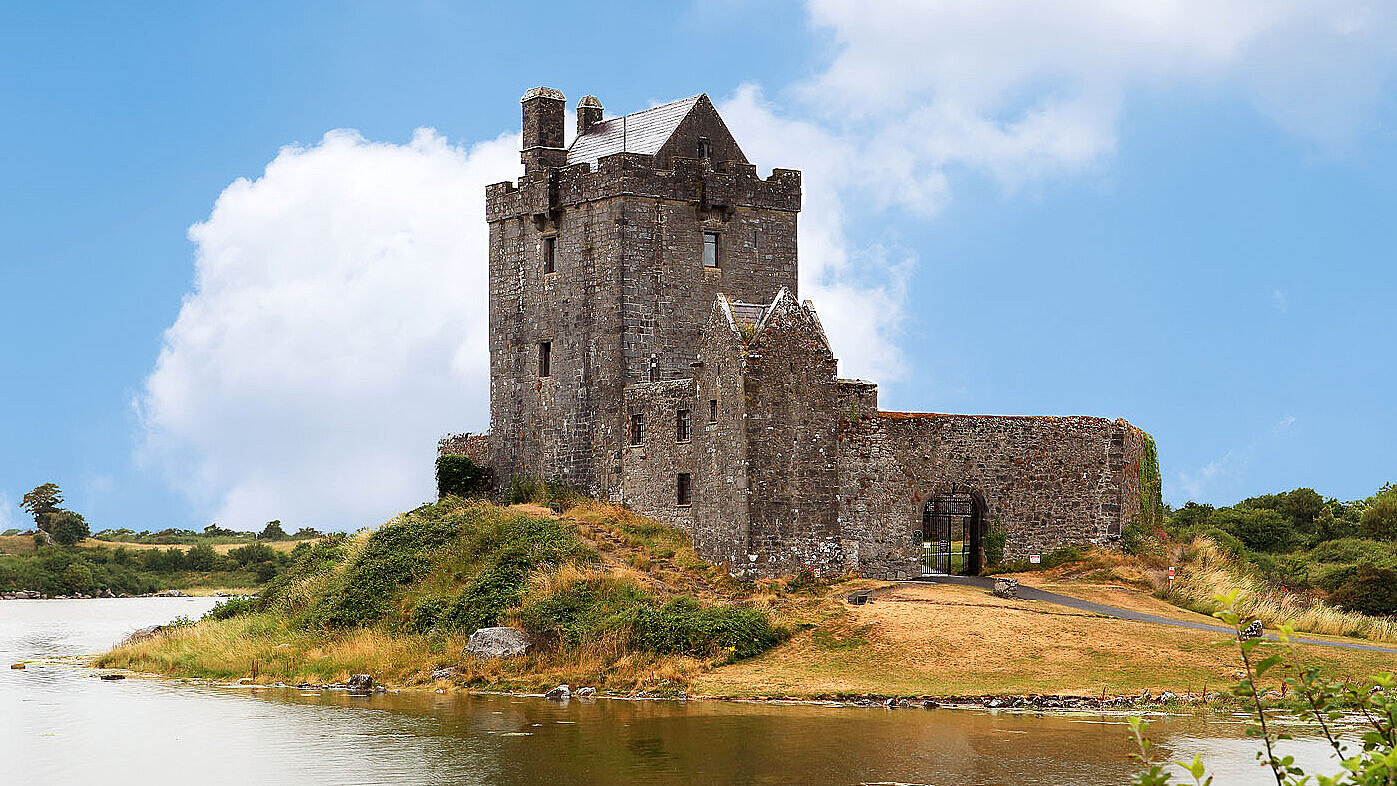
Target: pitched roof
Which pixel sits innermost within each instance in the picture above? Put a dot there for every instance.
(639, 132)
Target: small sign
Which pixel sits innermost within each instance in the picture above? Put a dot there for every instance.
(1171, 571)
(1035, 559)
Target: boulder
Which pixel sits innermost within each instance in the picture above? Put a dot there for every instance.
(1006, 588)
(560, 693)
(113, 677)
(442, 674)
(142, 634)
(360, 682)
(587, 692)
(498, 643)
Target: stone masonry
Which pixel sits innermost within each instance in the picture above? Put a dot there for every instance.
(647, 346)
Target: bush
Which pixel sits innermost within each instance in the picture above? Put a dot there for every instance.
(459, 476)
(1258, 529)
(1372, 590)
(1379, 519)
(684, 627)
(577, 611)
(1350, 550)
(1226, 541)
(252, 553)
(994, 543)
(200, 557)
(395, 555)
(230, 608)
(66, 527)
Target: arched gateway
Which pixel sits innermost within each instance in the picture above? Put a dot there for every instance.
(952, 533)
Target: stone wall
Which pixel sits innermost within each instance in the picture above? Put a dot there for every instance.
(791, 433)
(629, 291)
(650, 469)
(1047, 481)
(722, 488)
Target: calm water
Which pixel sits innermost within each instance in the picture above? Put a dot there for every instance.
(59, 725)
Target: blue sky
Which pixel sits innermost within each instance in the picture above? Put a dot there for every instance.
(1179, 216)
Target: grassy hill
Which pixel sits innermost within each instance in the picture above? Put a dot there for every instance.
(623, 603)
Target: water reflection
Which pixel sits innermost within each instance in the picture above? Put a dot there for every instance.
(62, 726)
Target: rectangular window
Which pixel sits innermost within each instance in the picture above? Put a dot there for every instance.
(545, 358)
(682, 489)
(682, 431)
(710, 249)
(550, 253)
(713, 411)
(637, 428)
(705, 150)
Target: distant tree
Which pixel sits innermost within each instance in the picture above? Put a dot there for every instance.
(252, 553)
(215, 531)
(1191, 517)
(265, 571)
(66, 527)
(1259, 530)
(1379, 519)
(200, 557)
(77, 577)
(305, 533)
(42, 501)
(273, 531)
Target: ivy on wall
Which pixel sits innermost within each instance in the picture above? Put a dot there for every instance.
(1151, 486)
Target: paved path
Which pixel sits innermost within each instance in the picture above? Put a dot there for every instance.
(1031, 593)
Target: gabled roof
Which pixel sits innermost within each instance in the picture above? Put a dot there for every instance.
(639, 132)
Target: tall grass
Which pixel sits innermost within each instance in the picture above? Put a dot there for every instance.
(1211, 572)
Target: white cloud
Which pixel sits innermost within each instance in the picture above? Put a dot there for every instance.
(1278, 300)
(1283, 426)
(859, 293)
(1199, 483)
(337, 327)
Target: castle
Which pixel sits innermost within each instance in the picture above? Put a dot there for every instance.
(647, 346)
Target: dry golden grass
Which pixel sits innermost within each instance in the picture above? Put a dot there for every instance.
(1209, 573)
(24, 544)
(947, 640)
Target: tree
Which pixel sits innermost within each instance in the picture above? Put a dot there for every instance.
(306, 533)
(273, 531)
(201, 557)
(1259, 530)
(77, 577)
(1379, 520)
(41, 501)
(65, 526)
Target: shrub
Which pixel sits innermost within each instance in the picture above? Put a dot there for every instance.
(1350, 550)
(459, 476)
(65, 526)
(1372, 590)
(572, 610)
(425, 614)
(1379, 519)
(1258, 529)
(684, 627)
(396, 554)
(232, 607)
(252, 553)
(994, 543)
(200, 557)
(1227, 542)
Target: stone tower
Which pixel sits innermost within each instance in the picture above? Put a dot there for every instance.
(606, 258)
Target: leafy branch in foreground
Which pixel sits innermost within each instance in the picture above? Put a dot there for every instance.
(1312, 698)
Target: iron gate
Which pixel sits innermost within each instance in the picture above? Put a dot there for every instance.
(947, 529)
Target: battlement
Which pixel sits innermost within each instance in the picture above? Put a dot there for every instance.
(729, 185)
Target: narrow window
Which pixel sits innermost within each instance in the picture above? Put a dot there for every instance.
(550, 253)
(705, 150)
(654, 367)
(682, 430)
(682, 490)
(713, 410)
(545, 358)
(710, 249)
(637, 428)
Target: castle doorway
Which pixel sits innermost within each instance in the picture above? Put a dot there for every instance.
(951, 536)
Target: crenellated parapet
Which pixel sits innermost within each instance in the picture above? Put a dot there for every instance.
(726, 186)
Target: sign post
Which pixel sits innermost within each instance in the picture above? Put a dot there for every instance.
(1171, 578)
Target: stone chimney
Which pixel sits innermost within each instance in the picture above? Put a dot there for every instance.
(543, 129)
(589, 113)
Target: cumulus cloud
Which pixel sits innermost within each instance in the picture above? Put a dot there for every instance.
(859, 291)
(1198, 483)
(8, 508)
(336, 328)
